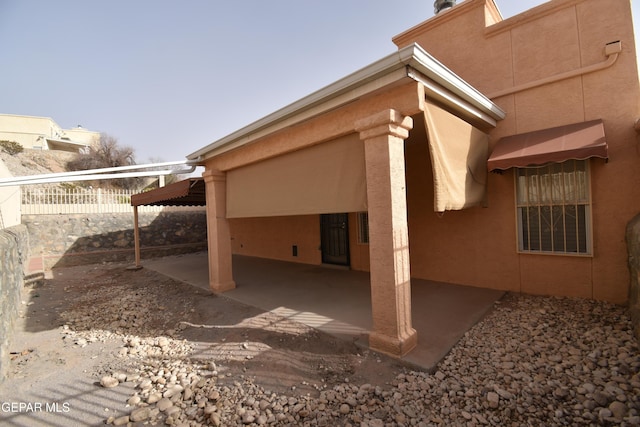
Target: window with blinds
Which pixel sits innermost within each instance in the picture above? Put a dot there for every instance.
(554, 208)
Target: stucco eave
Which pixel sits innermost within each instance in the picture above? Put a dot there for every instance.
(387, 71)
(63, 145)
(435, 71)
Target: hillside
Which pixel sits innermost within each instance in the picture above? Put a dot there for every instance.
(35, 162)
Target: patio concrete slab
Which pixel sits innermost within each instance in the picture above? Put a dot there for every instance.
(338, 301)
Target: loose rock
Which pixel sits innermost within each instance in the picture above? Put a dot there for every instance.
(530, 361)
(109, 381)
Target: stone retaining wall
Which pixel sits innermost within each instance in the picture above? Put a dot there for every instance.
(14, 247)
(633, 245)
(65, 240)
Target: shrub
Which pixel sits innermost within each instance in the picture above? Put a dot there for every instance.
(11, 147)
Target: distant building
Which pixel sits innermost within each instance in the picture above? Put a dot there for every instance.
(43, 133)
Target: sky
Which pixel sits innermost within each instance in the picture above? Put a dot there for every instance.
(168, 77)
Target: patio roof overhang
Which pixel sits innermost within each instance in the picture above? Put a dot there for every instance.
(411, 63)
(369, 112)
(188, 192)
(65, 145)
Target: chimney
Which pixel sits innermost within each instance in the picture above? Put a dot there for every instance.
(440, 5)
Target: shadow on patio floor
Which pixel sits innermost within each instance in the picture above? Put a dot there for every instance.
(338, 301)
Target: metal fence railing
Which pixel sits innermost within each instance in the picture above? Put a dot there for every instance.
(48, 201)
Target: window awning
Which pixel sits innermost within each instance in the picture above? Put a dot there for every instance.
(578, 141)
(189, 192)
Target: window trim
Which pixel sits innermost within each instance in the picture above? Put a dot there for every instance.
(588, 219)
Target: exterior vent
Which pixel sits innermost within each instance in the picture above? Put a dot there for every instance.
(440, 5)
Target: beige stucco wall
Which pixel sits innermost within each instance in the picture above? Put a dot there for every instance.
(9, 201)
(274, 237)
(478, 246)
(32, 132)
(82, 135)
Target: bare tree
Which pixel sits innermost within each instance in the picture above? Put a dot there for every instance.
(106, 153)
(168, 179)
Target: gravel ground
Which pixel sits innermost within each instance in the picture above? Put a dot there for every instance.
(181, 358)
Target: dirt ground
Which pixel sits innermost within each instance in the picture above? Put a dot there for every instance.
(80, 323)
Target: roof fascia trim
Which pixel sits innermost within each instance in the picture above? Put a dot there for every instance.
(433, 91)
(394, 67)
(66, 142)
(247, 135)
(434, 70)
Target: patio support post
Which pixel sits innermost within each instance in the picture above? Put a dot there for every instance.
(219, 236)
(136, 236)
(383, 135)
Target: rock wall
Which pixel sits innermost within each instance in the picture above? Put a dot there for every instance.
(65, 240)
(633, 245)
(14, 247)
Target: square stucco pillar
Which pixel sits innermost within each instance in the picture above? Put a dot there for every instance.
(383, 135)
(219, 236)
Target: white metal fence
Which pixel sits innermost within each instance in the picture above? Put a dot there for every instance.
(48, 201)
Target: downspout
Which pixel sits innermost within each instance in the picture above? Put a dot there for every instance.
(136, 238)
(611, 50)
(97, 174)
(51, 180)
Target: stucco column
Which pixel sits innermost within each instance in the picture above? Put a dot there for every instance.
(383, 135)
(219, 236)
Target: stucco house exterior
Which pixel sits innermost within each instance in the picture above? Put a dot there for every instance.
(43, 133)
(484, 152)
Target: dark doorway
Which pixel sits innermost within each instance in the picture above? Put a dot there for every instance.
(334, 229)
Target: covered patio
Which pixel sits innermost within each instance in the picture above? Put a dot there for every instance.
(341, 151)
(338, 301)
